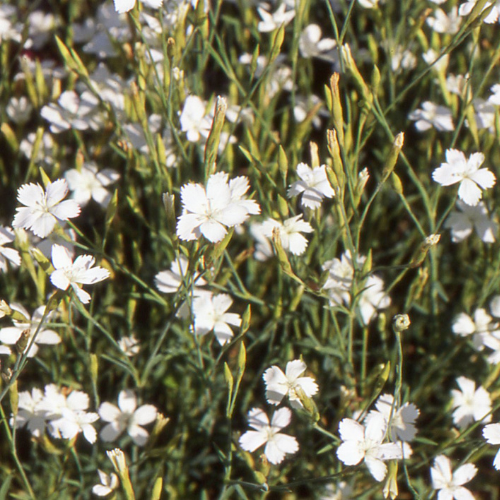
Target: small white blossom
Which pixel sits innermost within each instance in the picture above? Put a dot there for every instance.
(402, 419)
(466, 8)
(209, 211)
(279, 384)
(495, 97)
(468, 218)
(480, 327)
(312, 45)
(451, 486)
(365, 443)
(314, 186)
(88, 183)
(126, 417)
(71, 111)
(432, 115)
(445, 23)
(456, 84)
(491, 433)
(210, 314)
(8, 254)
(277, 444)
(68, 273)
(194, 120)
(472, 179)
(339, 283)
(130, 346)
(11, 334)
(19, 110)
(68, 415)
(289, 232)
(31, 413)
(122, 6)
(108, 484)
(175, 279)
(42, 208)
(438, 62)
(271, 22)
(471, 404)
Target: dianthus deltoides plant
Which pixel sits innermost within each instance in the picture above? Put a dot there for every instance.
(249, 249)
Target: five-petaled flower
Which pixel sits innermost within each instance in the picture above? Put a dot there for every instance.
(277, 444)
(467, 172)
(470, 404)
(314, 185)
(279, 384)
(210, 211)
(43, 208)
(451, 486)
(68, 273)
(361, 442)
(126, 417)
(210, 314)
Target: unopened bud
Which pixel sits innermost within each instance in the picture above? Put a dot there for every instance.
(401, 322)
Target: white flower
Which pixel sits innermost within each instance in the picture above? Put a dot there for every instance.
(456, 84)
(11, 334)
(43, 208)
(467, 172)
(340, 276)
(73, 422)
(279, 384)
(130, 346)
(263, 247)
(108, 484)
(122, 6)
(194, 120)
(470, 404)
(402, 419)
(270, 22)
(372, 298)
(314, 186)
(450, 486)
(495, 97)
(463, 222)
(8, 254)
(466, 8)
(210, 314)
(365, 443)
(289, 233)
(171, 281)
(484, 115)
(432, 115)
(30, 412)
(480, 327)
(369, 4)
(71, 111)
(277, 444)
(67, 414)
(491, 433)
(311, 44)
(445, 23)
(126, 417)
(341, 491)
(68, 273)
(208, 211)
(175, 280)
(89, 183)
(438, 62)
(19, 110)
(339, 283)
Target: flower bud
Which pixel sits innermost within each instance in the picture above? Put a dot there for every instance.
(401, 322)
